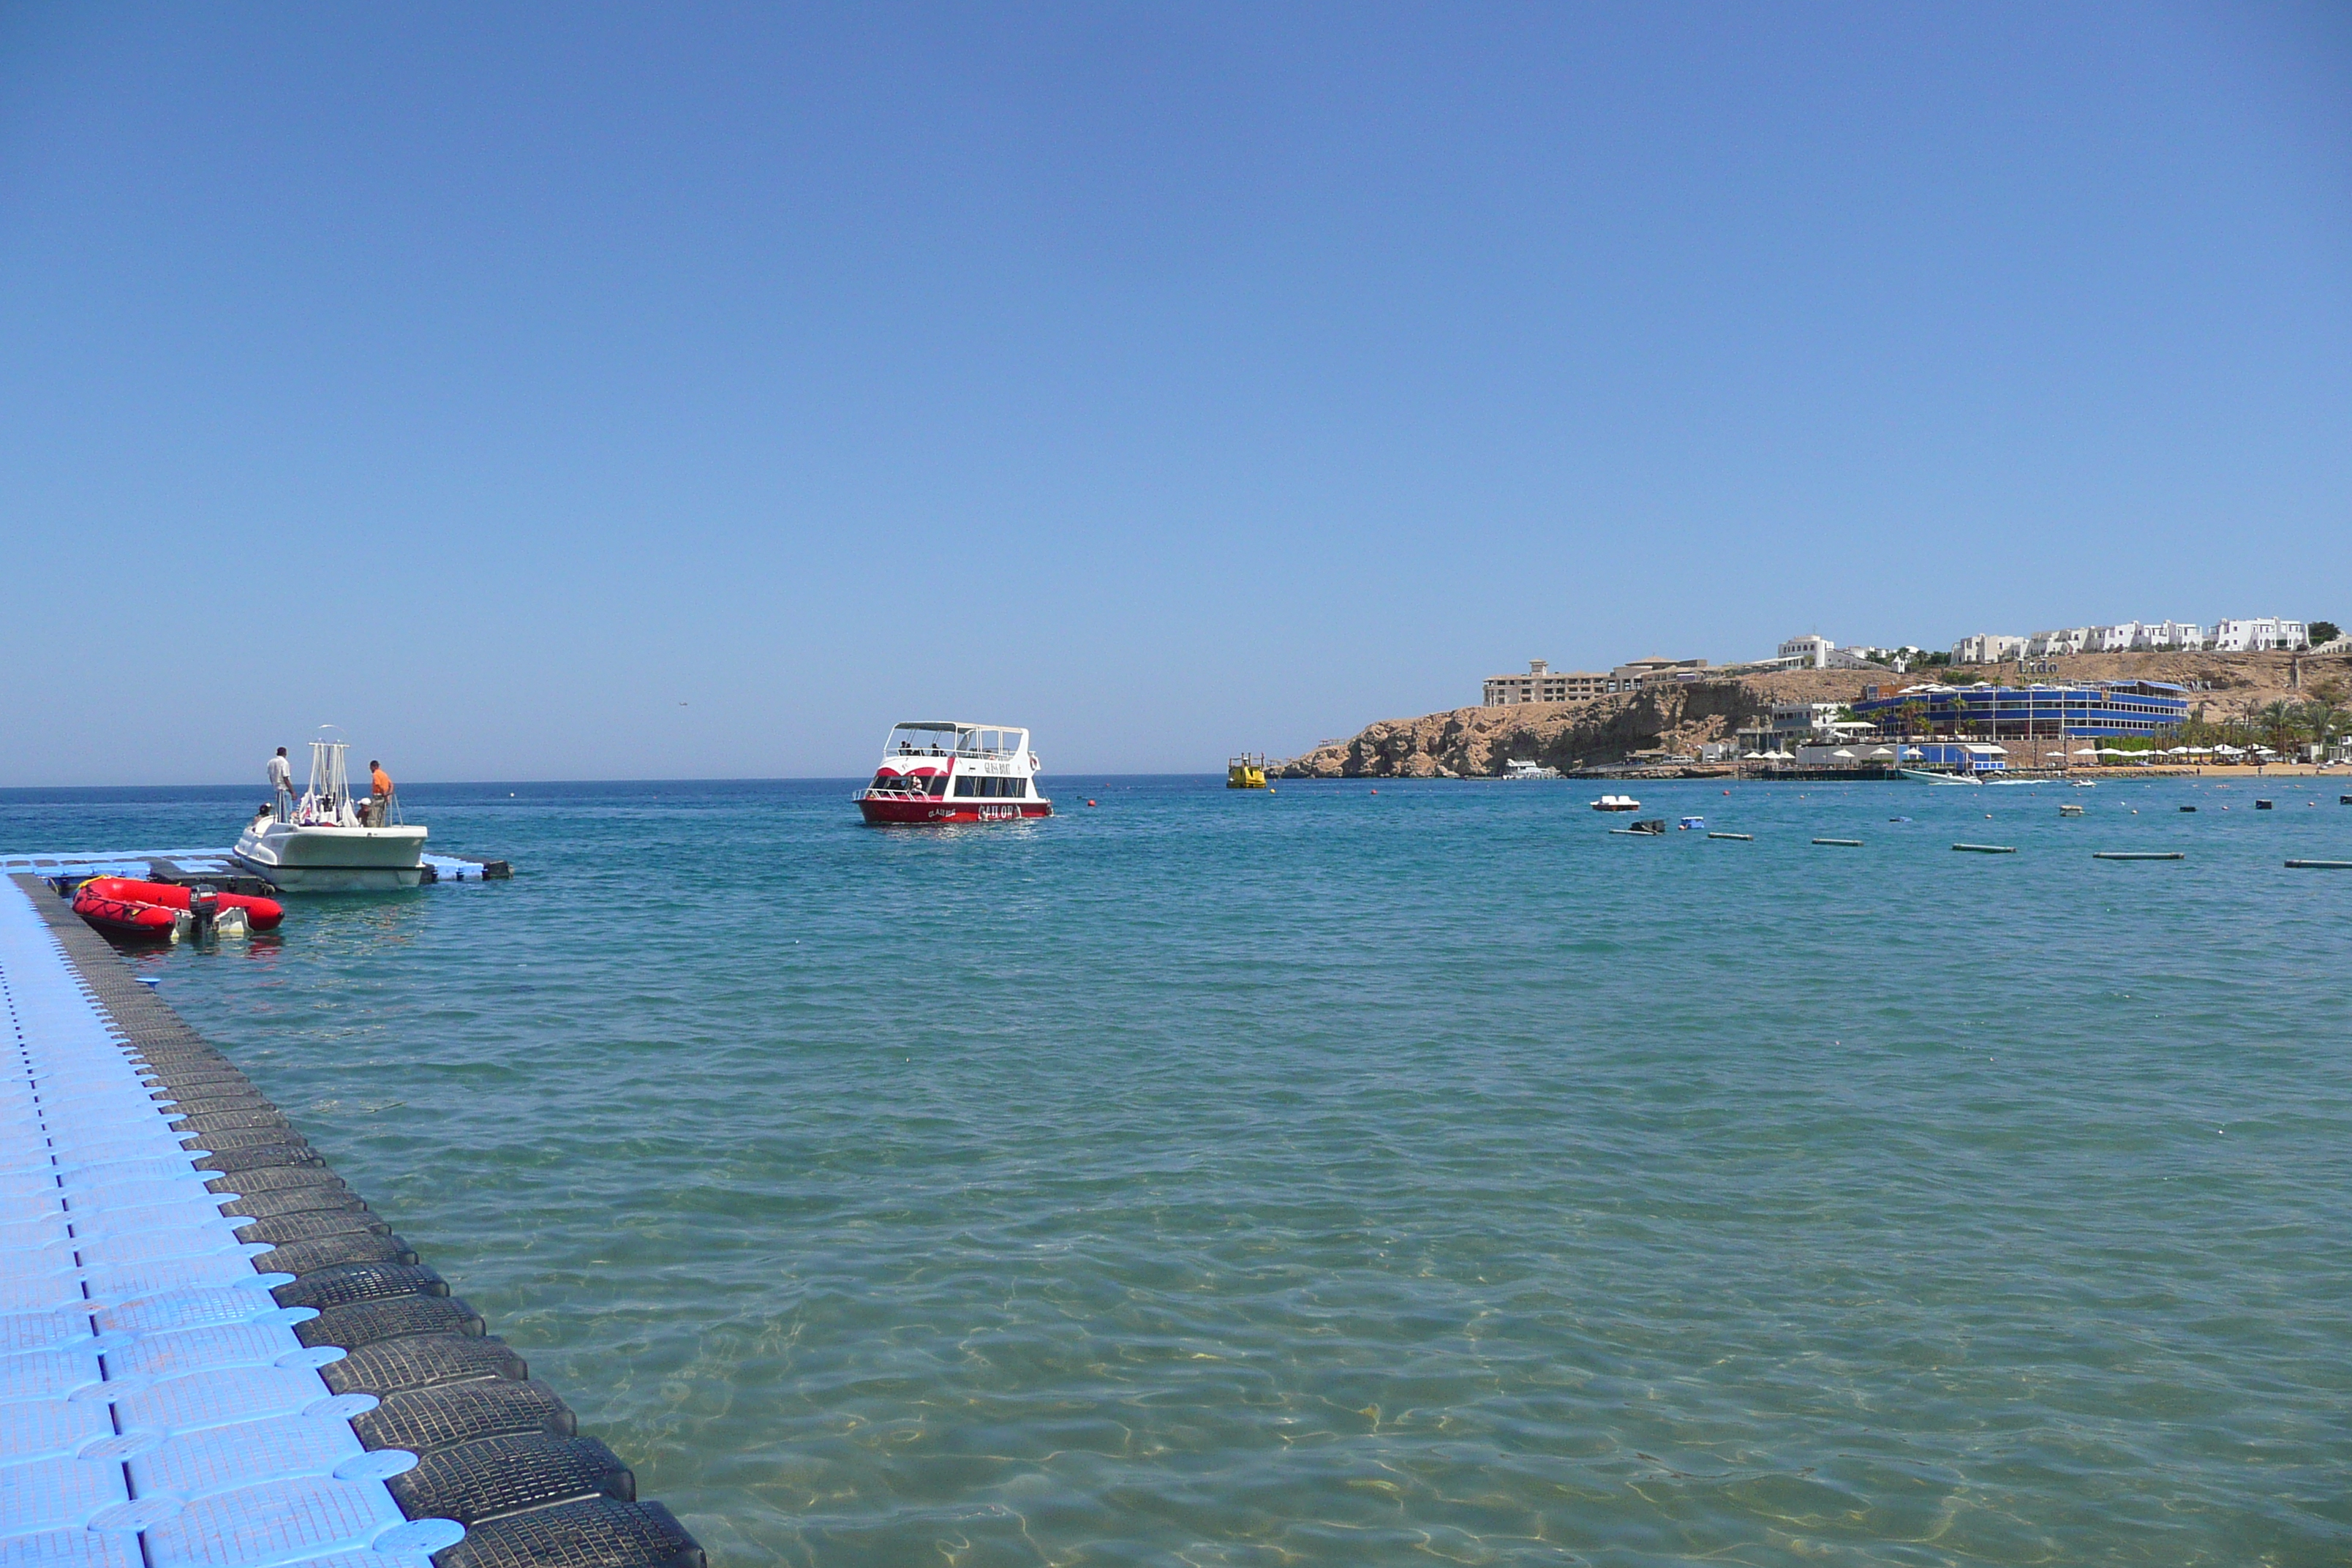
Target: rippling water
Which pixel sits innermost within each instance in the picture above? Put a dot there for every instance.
(1341, 1177)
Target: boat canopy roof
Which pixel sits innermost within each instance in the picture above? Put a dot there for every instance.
(955, 724)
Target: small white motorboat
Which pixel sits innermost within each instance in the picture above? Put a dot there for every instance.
(1519, 768)
(1923, 776)
(322, 844)
(1616, 803)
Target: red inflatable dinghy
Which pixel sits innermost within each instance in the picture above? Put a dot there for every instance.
(121, 917)
(261, 914)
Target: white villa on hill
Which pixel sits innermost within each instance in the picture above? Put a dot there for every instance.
(2134, 637)
(2259, 635)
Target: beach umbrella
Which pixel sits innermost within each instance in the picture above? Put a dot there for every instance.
(2087, 752)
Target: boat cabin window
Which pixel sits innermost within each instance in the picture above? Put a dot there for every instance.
(992, 789)
(988, 742)
(920, 740)
(937, 783)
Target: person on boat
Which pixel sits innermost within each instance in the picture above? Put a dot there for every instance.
(282, 778)
(380, 802)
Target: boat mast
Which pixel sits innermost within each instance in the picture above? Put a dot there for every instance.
(330, 783)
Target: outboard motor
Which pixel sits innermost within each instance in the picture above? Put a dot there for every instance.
(204, 908)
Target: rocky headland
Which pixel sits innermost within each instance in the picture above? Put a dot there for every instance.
(1612, 730)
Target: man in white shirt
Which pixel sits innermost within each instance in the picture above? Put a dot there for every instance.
(281, 777)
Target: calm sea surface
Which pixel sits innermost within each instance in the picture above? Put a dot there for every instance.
(1340, 1177)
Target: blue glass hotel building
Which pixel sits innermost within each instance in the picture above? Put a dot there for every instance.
(2103, 707)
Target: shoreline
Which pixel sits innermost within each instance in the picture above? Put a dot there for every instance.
(1627, 733)
(2339, 774)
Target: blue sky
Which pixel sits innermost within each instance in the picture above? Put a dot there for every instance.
(625, 392)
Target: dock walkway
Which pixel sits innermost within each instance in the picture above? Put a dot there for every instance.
(213, 1354)
(218, 866)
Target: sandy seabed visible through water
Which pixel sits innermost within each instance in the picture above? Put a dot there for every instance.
(1317, 1176)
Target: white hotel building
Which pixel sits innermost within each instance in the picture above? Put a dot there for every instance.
(2258, 636)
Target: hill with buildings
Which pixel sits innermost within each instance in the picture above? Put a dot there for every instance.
(1680, 711)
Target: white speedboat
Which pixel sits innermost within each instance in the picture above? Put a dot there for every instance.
(1618, 803)
(322, 843)
(1923, 776)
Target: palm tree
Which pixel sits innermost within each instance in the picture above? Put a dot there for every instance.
(2325, 715)
(2279, 722)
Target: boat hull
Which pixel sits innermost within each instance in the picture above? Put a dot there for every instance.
(299, 860)
(921, 811)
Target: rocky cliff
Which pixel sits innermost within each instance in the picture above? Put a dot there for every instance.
(1477, 741)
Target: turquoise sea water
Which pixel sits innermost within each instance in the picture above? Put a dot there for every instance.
(1340, 1177)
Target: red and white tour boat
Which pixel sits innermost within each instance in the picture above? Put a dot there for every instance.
(947, 770)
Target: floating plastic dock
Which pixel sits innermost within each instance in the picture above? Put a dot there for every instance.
(215, 865)
(213, 1354)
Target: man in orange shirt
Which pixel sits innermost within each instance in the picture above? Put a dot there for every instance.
(380, 782)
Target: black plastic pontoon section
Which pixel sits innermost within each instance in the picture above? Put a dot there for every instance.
(500, 1451)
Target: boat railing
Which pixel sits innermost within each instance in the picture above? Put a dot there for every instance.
(986, 753)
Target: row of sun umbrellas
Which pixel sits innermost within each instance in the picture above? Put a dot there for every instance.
(2173, 752)
(2085, 751)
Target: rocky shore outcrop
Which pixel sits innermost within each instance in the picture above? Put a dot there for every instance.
(1477, 741)
(1474, 742)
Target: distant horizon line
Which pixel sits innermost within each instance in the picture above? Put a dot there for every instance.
(510, 783)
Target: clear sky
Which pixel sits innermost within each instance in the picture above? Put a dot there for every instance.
(663, 391)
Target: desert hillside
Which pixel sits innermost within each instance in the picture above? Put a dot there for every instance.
(1477, 741)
